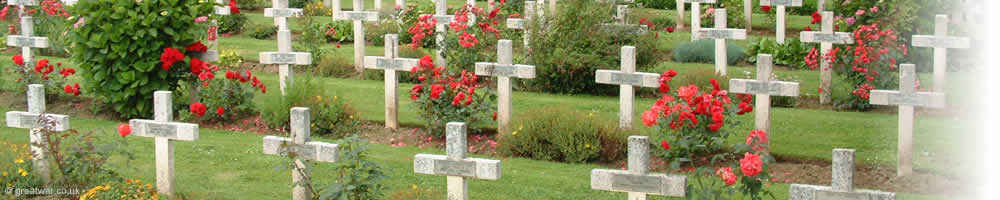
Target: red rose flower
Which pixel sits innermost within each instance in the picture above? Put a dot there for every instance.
(664, 144)
(169, 57)
(124, 129)
(196, 66)
(726, 174)
(765, 8)
(18, 60)
(436, 91)
(494, 116)
(198, 109)
(816, 18)
(649, 117)
(196, 47)
(757, 139)
(220, 111)
(233, 8)
(670, 29)
(750, 165)
(807, 29)
(458, 99)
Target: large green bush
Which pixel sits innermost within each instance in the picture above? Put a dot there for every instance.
(791, 54)
(703, 51)
(568, 52)
(330, 115)
(563, 134)
(233, 24)
(119, 48)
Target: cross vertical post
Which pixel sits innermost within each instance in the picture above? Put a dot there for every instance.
(826, 37)
(358, 16)
(303, 149)
(164, 133)
(842, 183)
(284, 57)
(906, 98)
(627, 78)
(455, 165)
(781, 4)
(720, 33)
(680, 14)
(391, 63)
(637, 180)
(763, 88)
(32, 120)
(504, 69)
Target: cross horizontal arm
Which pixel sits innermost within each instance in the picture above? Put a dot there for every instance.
(615, 77)
(399, 64)
(208, 56)
(33, 42)
(169, 130)
(722, 33)
(698, 1)
(940, 42)
(818, 37)
(222, 10)
(628, 28)
(356, 15)
(921, 99)
(291, 58)
(282, 12)
(495, 69)
(514, 23)
(442, 19)
(469, 167)
(623, 181)
(791, 3)
(314, 151)
(774, 88)
(815, 192)
(17, 119)
(22, 2)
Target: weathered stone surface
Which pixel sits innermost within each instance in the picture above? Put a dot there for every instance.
(642, 79)
(171, 130)
(820, 37)
(774, 88)
(32, 42)
(399, 64)
(667, 185)
(291, 58)
(428, 164)
(313, 151)
(790, 3)
(22, 2)
(509, 70)
(16, 119)
(282, 12)
(813, 192)
(354, 15)
(716, 33)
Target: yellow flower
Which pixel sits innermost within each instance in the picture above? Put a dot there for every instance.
(514, 133)
(319, 98)
(22, 172)
(520, 127)
(414, 186)
(137, 181)
(588, 146)
(591, 114)
(18, 160)
(4, 173)
(334, 98)
(352, 116)
(164, 13)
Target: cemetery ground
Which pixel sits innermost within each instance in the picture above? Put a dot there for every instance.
(228, 164)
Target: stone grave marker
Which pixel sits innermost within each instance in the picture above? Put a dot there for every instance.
(906, 98)
(456, 165)
(680, 14)
(842, 187)
(637, 180)
(696, 15)
(164, 132)
(504, 69)
(31, 120)
(212, 54)
(720, 33)
(443, 18)
(359, 17)
(621, 23)
(826, 37)
(627, 77)
(391, 63)
(284, 56)
(303, 149)
(780, 7)
(523, 24)
(763, 88)
(941, 42)
(26, 40)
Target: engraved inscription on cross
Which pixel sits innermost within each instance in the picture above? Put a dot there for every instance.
(781, 4)
(941, 42)
(456, 165)
(358, 16)
(637, 180)
(906, 98)
(504, 69)
(763, 88)
(302, 149)
(164, 132)
(695, 15)
(391, 63)
(621, 23)
(212, 54)
(842, 185)
(720, 33)
(627, 78)
(284, 56)
(31, 120)
(826, 37)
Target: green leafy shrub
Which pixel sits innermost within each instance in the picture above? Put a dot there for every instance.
(703, 51)
(330, 115)
(119, 50)
(77, 160)
(572, 48)
(658, 4)
(356, 177)
(18, 171)
(791, 54)
(808, 7)
(298, 3)
(662, 22)
(344, 31)
(336, 66)
(254, 4)
(263, 32)
(233, 23)
(53, 25)
(229, 58)
(563, 134)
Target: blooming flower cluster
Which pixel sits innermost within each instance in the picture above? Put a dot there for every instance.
(423, 27)
(874, 51)
(246, 76)
(685, 112)
(463, 87)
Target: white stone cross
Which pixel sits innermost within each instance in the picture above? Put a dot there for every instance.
(504, 69)
(440, 29)
(637, 180)
(284, 56)
(941, 42)
(627, 78)
(680, 13)
(456, 165)
(164, 132)
(826, 37)
(906, 98)
(720, 33)
(391, 63)
(31, 120)
(212, 54)
(358, 17)
(621, 23)
(842, 185)
(26, 41)
(696, 15)
(781, 4)
(303, 150)
(524, 23)
(763, 88)
(69, 2)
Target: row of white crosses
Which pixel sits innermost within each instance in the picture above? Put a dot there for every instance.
(303, 150)
(626, 78)
(31, 120)
(637, 180)
(720, 33)
(284, 57)
(26, 41)
(621, 22)
(359, 17)
(906, 98)
(780, 4)
(842, 183)
(826, 37)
